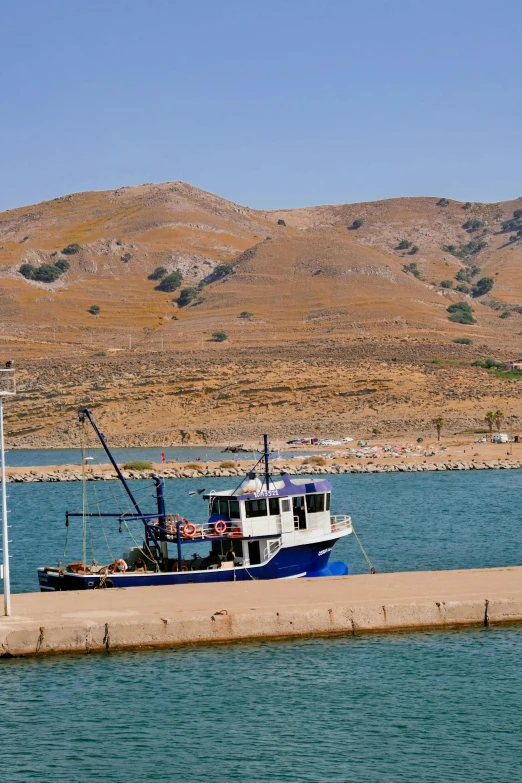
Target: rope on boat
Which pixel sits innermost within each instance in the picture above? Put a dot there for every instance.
(150, 559)
(373, 570)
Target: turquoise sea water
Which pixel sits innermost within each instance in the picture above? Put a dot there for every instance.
(25, 457)
(416, 521)
(438, 707)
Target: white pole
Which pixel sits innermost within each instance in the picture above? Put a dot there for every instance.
(5, 541)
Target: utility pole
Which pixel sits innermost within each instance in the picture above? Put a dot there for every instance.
(7, 387)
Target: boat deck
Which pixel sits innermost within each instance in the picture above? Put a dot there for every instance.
(115, 619)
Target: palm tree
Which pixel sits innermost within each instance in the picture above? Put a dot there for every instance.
(489, 418)
(499, 415)
(439, 423)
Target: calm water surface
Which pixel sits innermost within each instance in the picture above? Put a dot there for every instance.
(441, 707)
(428, 707)
(25, 457)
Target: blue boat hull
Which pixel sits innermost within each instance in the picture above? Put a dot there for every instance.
(307, 560)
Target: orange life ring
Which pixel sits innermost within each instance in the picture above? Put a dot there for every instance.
(219, 527)
(189, 530)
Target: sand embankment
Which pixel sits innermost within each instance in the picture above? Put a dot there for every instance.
(151, 617)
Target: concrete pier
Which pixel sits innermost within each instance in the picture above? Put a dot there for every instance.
(152, 617)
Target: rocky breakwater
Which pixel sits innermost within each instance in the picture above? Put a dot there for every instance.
(68, 473)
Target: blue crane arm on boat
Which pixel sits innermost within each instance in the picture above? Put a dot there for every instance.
(85, 413)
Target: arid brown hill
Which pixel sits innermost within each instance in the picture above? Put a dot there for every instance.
(340, 285)
(302, 274)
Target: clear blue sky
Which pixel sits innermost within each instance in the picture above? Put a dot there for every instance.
(272, 104)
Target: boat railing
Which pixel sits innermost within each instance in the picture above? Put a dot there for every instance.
(198, 531)
(340, 522)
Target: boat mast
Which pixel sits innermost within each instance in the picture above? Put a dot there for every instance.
(267, 469)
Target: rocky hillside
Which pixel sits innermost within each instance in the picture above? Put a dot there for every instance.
(297, 319)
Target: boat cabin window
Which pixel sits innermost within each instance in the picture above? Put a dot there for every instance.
(255, 508)
(273, 506)
(314, 503)
(328, 501)
(285, 505)
(225, 507)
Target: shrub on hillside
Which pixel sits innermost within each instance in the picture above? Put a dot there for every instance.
(443, 202)
(463, 340)
(461, 313)
(404, 244)
(505, 314)
(70, 250)
(412, 267)
(483, 286)
(219, 337)
(463, 275)
(487, 364)
(281, 222)
(126, 257)
(446, 284)
(27, 270)
(470, 249)
(94, 309)
(222, 270)
(62, 264)
(159, 273)
(46, 273)
(517, 214)
(246, 314)
(467, 205)
(187, 295)
(473, 224)
(170, 282)
(463, 288)
(461, 317)
(414, 249)
(358, 223)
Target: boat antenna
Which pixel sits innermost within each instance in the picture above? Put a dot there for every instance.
(84, 413)
(267, 469)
